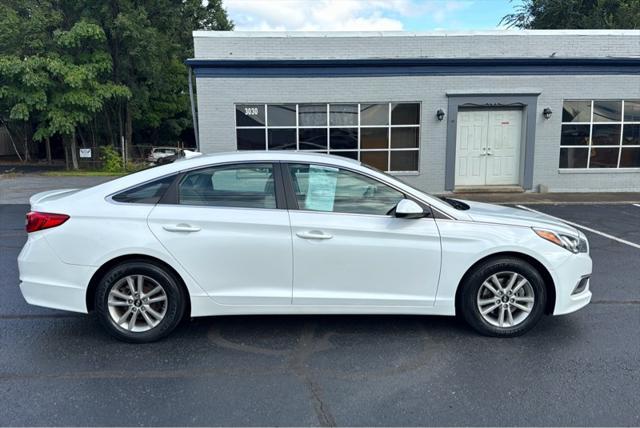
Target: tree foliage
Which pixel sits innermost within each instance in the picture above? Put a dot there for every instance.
(575, 14)
(102, 69)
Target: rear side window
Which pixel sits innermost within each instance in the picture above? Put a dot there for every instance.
(241, 186)
(148, 193)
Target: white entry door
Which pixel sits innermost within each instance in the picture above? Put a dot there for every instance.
(488, 147)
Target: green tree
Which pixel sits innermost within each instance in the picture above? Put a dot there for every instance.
(149, 42)
(575, 14)
(100, 71)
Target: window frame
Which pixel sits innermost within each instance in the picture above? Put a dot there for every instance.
(292, 200)
(172, 195)
(328, 126)
(620, 146)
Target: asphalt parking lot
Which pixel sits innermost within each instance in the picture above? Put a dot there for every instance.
(58, 368)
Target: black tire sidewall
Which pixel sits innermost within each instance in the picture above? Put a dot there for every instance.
(175, 301)
(473, 282)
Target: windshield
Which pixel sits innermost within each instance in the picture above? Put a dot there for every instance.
(459, 205)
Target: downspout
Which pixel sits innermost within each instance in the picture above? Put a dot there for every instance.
(193, 111)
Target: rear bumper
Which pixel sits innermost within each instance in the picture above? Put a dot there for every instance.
(568, 276)
(46, 281)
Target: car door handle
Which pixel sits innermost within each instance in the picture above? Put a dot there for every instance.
(180, 228)
(313, 234)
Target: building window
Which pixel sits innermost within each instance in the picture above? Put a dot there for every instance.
(383, 135)
(600, 134)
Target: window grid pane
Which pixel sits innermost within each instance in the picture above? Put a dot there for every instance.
(383, 135)
(598, 134)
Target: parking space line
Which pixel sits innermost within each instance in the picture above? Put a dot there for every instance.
(597, 232)
(636, 205)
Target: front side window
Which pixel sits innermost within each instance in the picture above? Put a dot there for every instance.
(329, 189)
(147, 193)
(383, 135)
(241, 186)
(600, 134)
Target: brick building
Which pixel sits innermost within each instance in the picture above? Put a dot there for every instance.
(530, 110)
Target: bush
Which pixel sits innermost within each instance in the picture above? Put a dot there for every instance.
(111, 160)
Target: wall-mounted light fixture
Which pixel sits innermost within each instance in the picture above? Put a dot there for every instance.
(440, 114)
(547, 113)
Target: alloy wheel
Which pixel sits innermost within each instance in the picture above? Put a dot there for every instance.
(137, 303)
(505, 299)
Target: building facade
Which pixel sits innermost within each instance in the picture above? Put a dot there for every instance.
(524, 110)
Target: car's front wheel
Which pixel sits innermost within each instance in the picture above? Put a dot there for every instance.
(138, 301)
(503, 297)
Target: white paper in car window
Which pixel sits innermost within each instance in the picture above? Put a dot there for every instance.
(321, 190)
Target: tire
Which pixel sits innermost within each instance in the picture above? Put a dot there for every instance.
(157, 310)
(480, 293)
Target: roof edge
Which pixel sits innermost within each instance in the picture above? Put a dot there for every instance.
(339, 34)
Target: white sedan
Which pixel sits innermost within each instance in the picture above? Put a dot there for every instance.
(292, 233)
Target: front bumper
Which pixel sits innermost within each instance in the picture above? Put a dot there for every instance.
(567, 276)
(46, 281)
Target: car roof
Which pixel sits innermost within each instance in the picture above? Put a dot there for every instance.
(273, 155)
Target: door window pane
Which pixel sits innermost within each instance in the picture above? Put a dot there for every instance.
(374, 114)
(377, 160)
(281, 114)
(243, 186)
(630, 157)
(607, 111)
(282, 139)
(313, 138)
(575, 135)
(573, 158)
(605, 135)
(343, 138)
(312, 115)
(343, 114)
(251, 139)
(604, 157)
(404, 160)
(576, 111)
(374, 138)
(404, 138)
(632, 111)
(250, 115)
(631, 135)
(327, 189)
(405, 114)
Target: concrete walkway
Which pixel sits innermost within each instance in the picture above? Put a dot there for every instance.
(551, 198)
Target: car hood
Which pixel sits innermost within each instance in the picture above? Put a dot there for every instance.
(501, 214)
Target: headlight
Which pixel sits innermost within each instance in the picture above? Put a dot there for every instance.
(575, 244)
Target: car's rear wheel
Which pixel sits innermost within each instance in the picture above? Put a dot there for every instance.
(503, 297)
(138, 301)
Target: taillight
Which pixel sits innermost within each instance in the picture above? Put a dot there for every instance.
(39, 221)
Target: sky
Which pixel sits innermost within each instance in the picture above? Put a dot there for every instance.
(367, 15)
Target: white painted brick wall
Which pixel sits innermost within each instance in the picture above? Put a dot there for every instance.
(217, 96)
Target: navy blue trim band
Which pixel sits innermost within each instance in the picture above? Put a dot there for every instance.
(413, 67)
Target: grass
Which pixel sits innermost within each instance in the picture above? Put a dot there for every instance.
(85, 173)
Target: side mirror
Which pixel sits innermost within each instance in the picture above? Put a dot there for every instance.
(407, 208)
